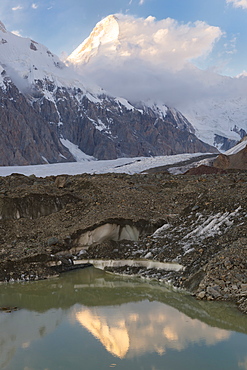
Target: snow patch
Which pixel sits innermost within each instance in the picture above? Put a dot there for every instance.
(2, 84)
(210, 226)
(100, 125)
(161, 231)
(62, 156)
(44, 159)
(125, 103)
(77, 153)
(162, 111)
(93, 99)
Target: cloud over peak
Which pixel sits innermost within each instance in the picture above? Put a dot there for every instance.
(146, 59)
(165, 42)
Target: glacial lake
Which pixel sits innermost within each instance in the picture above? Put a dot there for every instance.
(87, 319)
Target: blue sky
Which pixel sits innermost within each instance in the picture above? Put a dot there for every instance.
(62, 25)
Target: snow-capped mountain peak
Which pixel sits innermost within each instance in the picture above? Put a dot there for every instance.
(28, 58)
(26, 61)
(106, 32)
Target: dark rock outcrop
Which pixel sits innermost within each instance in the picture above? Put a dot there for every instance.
(108, 129)
(25, 136)
(224, 143)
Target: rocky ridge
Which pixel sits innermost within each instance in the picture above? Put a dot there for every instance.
(35, 128)
(25, 136)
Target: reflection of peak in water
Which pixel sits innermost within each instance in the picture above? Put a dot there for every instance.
(137, 328)
(115, 338)
(91, 287)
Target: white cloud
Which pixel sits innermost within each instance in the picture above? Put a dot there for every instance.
(34, 6)
(18, 7)
(141, 2)
(238, 3)
(165, 43)
(243, 74)
(149, 59)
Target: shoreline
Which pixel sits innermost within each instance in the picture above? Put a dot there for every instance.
(198, 222)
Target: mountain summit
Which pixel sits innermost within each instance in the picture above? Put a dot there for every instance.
(105, 34)
(114, 37)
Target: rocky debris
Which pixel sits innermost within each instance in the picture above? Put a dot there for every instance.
(226, 275)
(222, 162)
(204, 170)
(233, 161)
(8, 309)
(197, 221)
(60, 181)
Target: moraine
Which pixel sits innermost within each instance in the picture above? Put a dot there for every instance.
(198, 222)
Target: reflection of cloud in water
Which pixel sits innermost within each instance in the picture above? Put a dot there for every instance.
(136, 328)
